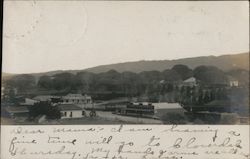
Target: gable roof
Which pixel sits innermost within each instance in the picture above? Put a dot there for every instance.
(68, 107)
(191, 79)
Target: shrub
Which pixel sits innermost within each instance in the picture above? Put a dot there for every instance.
(44, 108)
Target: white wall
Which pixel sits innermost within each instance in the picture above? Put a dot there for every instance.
(75, 114)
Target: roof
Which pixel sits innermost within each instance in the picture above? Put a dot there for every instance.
(143, 103)
(191, 79)
(43, 97)
(17, 109)
(29, 102)
(167, 106)
(231, 78)
(68, 107)
(76, 96)
(114, 101)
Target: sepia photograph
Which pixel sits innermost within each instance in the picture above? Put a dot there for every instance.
(125, 80)
(130, 62)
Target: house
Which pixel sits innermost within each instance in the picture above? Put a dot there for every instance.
(76, 99)
(43, 98)
(190, 82)
(29, 102)
(50, 98)
(70, 111)
(232, 82)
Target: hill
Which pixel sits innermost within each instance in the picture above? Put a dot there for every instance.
(224, 62)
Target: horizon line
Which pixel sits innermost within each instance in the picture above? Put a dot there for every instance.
(228, 54)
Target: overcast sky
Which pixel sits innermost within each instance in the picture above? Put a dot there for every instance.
(61, 35)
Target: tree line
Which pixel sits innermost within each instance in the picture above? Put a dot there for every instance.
(129, 84)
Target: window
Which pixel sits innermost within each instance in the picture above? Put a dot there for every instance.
(71, 114)
(65, 113)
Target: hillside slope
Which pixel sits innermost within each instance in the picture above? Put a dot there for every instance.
(224, 62)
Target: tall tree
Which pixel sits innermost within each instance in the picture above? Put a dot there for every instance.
(22, 82)
(45, 82)
(63, 81)
(183, 71)
(210, 75)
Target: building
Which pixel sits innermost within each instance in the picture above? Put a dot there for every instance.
(70, 111)
(29, 102)
(190, 82)
(44, 98)
(233, 82)
(151, 110)
(76, 99)
(2, 91)
(162, 109)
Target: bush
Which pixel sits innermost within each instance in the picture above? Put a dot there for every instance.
(44, 108)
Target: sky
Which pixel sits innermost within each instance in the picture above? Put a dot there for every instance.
(40, 36)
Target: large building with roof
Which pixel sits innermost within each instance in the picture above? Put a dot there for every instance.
(76, 99)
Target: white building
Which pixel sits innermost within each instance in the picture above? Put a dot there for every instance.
(234, 83)
(190, 82)
(76, 99)
(29, 101)
(2, 91)
(164, 108)
(70, 111)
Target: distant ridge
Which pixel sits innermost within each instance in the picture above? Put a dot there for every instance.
(224, 62)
